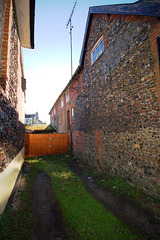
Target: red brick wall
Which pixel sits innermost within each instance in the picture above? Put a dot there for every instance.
(5, 43)
(74, 89)
(99, 149)
(154, 33)
(78, 143)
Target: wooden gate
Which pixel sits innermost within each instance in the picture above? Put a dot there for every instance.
(45, 144)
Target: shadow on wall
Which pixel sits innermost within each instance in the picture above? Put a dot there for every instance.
(8, 179)
(12, 135)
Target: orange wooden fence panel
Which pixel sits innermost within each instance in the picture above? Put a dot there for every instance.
(45, 144)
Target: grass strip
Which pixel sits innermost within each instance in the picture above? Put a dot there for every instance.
(87, 218)
(120, 186)
(17, 223)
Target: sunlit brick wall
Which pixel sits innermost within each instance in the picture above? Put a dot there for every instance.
(118, 111)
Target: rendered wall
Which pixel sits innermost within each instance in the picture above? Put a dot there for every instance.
(8, 179)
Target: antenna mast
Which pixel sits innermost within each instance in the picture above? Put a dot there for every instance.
(69, 23)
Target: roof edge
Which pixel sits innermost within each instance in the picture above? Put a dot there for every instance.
(78, 70)
(141, 8)
(32, 22)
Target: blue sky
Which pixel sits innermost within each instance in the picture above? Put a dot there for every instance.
(47, 67)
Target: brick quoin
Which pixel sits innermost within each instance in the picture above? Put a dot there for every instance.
(155, 32)
(5, 43)
(99, 149)
(78, 142)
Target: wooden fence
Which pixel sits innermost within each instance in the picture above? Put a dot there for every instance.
(45, 144)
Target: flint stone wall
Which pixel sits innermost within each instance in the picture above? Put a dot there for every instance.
(120, 100)
(12, 130)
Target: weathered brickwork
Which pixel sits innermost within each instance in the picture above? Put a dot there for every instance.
(12, 131)
(120, 100)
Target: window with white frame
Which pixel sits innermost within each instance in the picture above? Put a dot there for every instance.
(97, 50)
(62, 102)
(72, 113)
(54, 111)
(67, 97)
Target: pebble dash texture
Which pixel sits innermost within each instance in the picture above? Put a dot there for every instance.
(120, 100)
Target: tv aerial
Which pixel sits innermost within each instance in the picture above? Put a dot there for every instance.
(69, 23)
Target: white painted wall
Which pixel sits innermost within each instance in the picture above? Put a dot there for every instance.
(8, 179)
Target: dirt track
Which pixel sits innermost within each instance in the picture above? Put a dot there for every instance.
(124, 209)
(49, 221)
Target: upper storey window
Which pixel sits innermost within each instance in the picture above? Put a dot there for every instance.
(158, 43)
(97, 50)
(67, 97)
(62, 102)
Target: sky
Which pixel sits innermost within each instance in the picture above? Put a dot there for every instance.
(47, 67)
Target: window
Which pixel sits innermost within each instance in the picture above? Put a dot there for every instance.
(55, 122)
(58, 120)
(97, 50)
(62, 102)
(158, 44)
(72, 113)
(67, 97)
(68, 121)
(54, 111)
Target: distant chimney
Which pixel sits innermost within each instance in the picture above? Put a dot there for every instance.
(37, 116)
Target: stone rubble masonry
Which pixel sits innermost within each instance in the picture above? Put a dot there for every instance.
(12, 130)
(117, 117)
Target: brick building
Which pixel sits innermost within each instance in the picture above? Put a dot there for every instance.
(116, 123)
(62, 112)
(16, 31)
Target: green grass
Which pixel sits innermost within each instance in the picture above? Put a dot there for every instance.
(120, 186)
(17, 224)
(84, 216)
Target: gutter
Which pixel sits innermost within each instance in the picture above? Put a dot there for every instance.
(32, 22)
